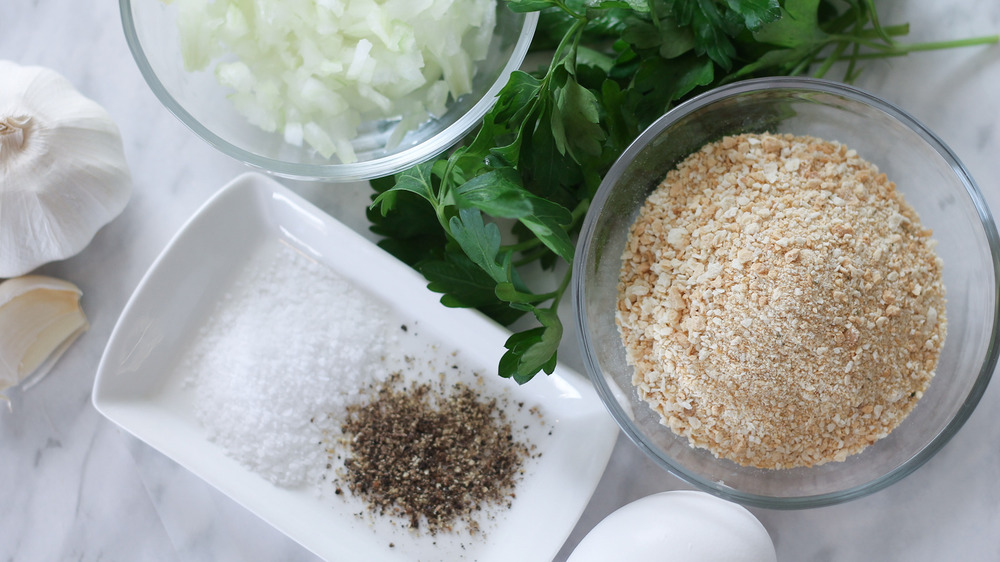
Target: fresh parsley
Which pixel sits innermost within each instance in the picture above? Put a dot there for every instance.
(532, 167)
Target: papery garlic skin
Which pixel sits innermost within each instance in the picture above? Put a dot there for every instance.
(40, 317)
(63, 173)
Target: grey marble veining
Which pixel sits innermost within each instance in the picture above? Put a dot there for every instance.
(74, 487)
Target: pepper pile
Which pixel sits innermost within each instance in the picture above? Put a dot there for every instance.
(434, 456)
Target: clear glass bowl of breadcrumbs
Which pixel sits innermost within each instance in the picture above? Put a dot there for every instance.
(745, 338)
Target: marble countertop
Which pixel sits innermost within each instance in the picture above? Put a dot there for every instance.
(75, 487)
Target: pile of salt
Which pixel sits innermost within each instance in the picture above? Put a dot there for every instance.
(290, 342)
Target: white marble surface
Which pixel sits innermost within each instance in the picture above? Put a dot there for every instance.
(74, 487)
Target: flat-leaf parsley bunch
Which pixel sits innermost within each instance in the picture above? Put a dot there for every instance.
(514, 194)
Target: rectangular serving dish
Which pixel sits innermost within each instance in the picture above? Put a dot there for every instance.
(139, 384)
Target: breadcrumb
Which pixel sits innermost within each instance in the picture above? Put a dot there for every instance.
(780, 302)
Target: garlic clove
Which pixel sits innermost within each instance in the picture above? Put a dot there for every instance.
(63, 173)
(40, 317)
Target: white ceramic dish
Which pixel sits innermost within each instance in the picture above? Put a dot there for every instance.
(137, 385)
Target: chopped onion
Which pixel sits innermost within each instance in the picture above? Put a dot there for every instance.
(315, 70)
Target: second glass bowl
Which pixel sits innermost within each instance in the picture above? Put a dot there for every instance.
(932, 180)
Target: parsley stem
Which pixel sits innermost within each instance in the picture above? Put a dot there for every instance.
(873, 15)
(563, 285)
(901, 48)
(934, 45)
(852, 63)
(522, 246)
(564, 7)
(890, 31)
(852, 60)
(570, 42)
(537, 251)
(830, 59)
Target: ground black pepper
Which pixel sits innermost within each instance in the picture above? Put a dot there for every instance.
(434, 455)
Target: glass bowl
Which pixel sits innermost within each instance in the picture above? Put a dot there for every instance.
(931, 179)
(198, 100)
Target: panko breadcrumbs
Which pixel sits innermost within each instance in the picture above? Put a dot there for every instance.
(780, 302)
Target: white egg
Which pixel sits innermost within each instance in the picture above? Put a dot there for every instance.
(678, 526)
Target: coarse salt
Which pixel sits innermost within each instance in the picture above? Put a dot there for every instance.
(290, 341)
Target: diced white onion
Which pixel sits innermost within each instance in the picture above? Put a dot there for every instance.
(293, 133)
(314, 70)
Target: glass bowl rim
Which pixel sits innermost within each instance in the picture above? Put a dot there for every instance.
(357, 171)
(763, 85)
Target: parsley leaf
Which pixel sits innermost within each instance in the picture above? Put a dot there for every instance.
(480, 241)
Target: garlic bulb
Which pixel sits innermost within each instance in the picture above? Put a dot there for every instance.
(63, 173)
(39, 318)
